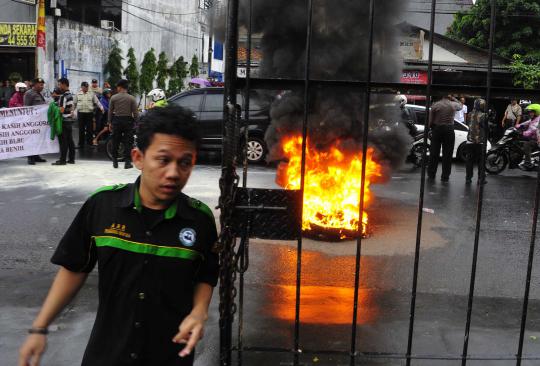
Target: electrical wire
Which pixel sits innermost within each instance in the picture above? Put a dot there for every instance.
(154, 24)
(160, 12)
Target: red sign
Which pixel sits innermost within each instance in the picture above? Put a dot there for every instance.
(414, 77)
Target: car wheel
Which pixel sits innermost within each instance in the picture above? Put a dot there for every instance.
(255, 149)
(461, 153)
(110, 150)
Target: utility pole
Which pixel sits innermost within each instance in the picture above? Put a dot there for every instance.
(56, 14)
(209, 5)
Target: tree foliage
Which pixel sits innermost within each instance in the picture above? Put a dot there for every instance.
(194, 67)
(517, 28)
(526, 75)
(162, 71)
(177, 72)
(113, 67)
(131, 72)
(148, 71)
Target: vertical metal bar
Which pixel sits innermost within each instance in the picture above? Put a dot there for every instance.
(480, 199)
(302, 183)
(244, 184)
(226, 182)
(422, 186)
(247, 94)
(529, 273)
(367, 101)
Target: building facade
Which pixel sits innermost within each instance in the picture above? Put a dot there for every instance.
(86, 30)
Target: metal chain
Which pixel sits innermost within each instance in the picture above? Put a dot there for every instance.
(228, 184)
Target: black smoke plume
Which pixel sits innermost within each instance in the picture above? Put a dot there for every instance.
(339, 51)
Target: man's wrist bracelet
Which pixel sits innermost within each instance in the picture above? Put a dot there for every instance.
(43, 331)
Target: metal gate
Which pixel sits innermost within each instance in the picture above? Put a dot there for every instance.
(248, 212)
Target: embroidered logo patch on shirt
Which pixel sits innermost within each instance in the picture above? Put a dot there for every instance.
(187, 237)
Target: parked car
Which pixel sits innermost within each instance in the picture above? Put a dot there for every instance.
(461, 130)
(207, 106)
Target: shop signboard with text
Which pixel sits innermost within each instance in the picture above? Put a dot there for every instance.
(18, 34)
(414, 77)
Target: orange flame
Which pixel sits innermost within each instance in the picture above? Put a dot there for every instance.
(332, 184)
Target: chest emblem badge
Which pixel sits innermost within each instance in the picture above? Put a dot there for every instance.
(187, 237)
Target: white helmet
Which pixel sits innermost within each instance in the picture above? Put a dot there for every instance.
(20, 86)
(156, 94)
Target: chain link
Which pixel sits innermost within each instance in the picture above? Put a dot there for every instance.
(228, 184)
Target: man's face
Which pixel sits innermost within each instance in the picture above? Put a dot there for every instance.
(514, 102)
(94, 85)
(84, 88)
(462, 100)
(62, 87)
(165, 168)
(39, 87)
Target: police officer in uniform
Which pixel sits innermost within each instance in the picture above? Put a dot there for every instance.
(154, 249)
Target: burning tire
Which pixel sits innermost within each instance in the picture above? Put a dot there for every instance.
(256, 149)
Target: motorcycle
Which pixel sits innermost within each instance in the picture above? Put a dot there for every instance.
(508, 152)
(416, 154)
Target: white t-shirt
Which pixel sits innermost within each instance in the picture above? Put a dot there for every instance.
(460, 115)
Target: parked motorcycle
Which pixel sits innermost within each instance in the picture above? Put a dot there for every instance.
(508, 152)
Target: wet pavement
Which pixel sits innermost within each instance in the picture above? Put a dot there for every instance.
(38, 203)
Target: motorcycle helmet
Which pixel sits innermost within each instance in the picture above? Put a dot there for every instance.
(534, 108)
(156, 94)
(20, 86)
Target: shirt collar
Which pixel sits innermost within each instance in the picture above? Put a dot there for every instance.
(132, 199)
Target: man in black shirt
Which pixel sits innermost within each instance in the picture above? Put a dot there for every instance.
(154, 247)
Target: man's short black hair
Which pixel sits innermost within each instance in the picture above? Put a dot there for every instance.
(123, 83)
(64, 81)
(170, 120)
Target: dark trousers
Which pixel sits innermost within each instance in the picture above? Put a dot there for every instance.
(100, 118)
(441, 136)
(474, 151)
(67, 146)
(85, 128)
(122, 131)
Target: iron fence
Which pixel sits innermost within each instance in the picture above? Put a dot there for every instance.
(243, 209)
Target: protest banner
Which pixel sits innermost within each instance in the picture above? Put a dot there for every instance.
(24, 131)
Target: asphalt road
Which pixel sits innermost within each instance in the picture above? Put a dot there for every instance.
(37, 203)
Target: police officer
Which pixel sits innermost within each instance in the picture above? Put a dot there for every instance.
(122, 115)
(154, 249)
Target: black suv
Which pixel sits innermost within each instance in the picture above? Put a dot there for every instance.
(207, 106)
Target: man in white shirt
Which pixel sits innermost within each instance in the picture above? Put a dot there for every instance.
(461, 115)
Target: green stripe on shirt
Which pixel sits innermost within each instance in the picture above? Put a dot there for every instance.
(143, 248)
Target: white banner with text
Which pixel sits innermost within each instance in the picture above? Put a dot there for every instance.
(24, 131)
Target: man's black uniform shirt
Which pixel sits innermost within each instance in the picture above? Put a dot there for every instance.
(149, 263)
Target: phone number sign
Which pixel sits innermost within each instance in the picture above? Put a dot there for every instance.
(18, 34)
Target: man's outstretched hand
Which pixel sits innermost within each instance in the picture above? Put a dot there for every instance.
(32, 350)
(190, 332)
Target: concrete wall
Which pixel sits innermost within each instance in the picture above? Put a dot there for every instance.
(15, 12)
(83, 48)
(176, 35)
